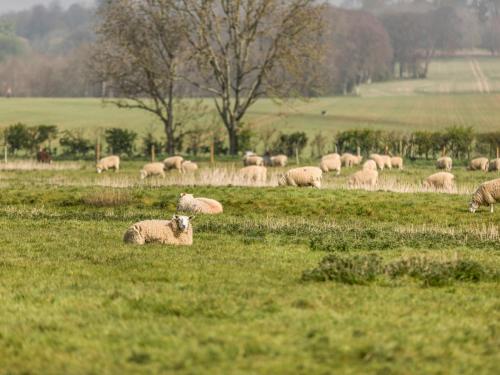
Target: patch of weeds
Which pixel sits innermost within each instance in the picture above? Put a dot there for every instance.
(349, 269)
(107, 198)
(362, 269)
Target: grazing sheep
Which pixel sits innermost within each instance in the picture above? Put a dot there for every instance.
(348, 160)
(303, 176)
(397, 162)
(479, 164)
(188, 166)
(153, 169)
(488, 193)
(253, 159)
(440, 180)
(365, 177)
(445, 163)
(370, 165)
(387, 161)
(173, 162)
(254, 173)
(279, 160)
(188, 203)
(331, 163)
(177, 231)
(334, 155)
(109, 162)
(494, 165)
(379, 160)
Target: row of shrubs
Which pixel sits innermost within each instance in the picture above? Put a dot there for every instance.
(458, 142)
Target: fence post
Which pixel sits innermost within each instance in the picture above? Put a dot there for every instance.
(498, 152)
(97, 149)
(153, 155)
(297, 155)
(5, 149)
(212, 150)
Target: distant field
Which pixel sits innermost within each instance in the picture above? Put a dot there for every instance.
(453, 95)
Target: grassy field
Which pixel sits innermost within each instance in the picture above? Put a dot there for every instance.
(76, 300)
(451, 96)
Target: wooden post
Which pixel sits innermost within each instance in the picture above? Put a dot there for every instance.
(498, 152)
(297, 155)
(153, 155)
(5, 153)
(97, 149)
(443, 153)
(212, 151)
(358, 150)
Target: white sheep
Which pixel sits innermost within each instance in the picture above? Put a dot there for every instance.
(370, 165)
(153, 169)
(349, 160)
(387, 161)
(109, 162)
(177, 231)
(488, 193)
(303, 176)
(494, 165)
(379, 160)
(331, 162)
(365, 177)
(253, 159)
(397, 162)
(189, 166)
(445, 163)
(440, 181)
(173, 162)
(188, 203)
(279, 160)
(479, 164)
(254, 173)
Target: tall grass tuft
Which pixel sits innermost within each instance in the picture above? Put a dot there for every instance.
(107, 198)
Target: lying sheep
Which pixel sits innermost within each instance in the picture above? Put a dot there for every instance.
(177, 231)
(488, 193)
(379, 160)
(253, 160)
(279, 160)
(109, 162)
(397, 162)
(365, 177)
(445, 163)
(331, 163)
(173, 162)
(387, 161)
(188, 203)
(479, 164)
(255, 173)
(153, 169)
(494, 165)
(303, 176)
(440, 180)
(188, 166)
(370, 165)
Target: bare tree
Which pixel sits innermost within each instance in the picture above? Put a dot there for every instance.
(137, 54)
(238, 45)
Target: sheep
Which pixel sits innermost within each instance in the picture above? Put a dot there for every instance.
(379, 160)
(109, 162)
(370, 165)
(173, 162)
(153, 169)
(445, 163)
(479, 164)
(387, 161)
(494, 165)
(253, 159)
(303, 176)
(488, 193)
(349, 160)
(397, 162)
(440, 180)
(331, 163)
(279, 160)
(188, 203)
(255, 173)
(177, 231)
(188, 166)
(365, 177)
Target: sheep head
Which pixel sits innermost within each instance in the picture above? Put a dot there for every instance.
(182, 222)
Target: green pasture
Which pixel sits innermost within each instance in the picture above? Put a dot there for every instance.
(76, 300)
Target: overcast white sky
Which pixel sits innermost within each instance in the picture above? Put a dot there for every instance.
(9, 5)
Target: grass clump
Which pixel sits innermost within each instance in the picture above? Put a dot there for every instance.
(347, 269)
(107, 198)
(362, 269)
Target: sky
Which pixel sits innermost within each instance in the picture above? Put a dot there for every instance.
(13, 5)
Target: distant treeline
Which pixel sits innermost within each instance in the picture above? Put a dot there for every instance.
(44, 50)
(459, 142)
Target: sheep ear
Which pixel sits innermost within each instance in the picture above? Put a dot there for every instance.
(175, 217)
(183, 194)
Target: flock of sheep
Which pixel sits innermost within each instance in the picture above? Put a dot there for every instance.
(178, 230)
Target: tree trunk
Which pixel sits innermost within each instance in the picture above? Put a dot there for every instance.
(169, 121)
(233, 140)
